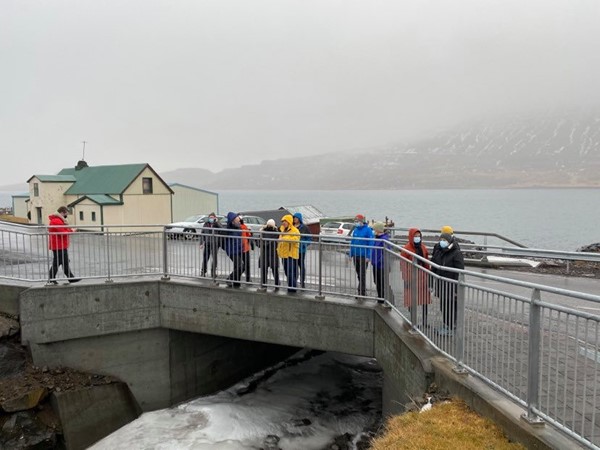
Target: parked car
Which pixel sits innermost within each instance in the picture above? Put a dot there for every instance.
(191, 227)
(335, 231)
(255, 223)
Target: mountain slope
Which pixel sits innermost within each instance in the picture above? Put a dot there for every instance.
(551, 151)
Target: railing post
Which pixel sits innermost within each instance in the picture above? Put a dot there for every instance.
(533, 370)
(165, 276)
(108, 279)
(413, 291)
(319, 295)
(459, 336)
(261, 258)
(387, 289)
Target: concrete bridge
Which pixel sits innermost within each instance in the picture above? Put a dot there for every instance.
(145, 313)
(172, 340)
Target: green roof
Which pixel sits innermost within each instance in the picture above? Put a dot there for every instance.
(102, 179)
(100, 199)
(60, 178)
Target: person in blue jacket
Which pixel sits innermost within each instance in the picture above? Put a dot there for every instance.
(360, 250)
(232, 241)
(305, 240)
(378, 260)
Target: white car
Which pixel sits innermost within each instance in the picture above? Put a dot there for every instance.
(255, 223)
(335, 231)
(191, 227)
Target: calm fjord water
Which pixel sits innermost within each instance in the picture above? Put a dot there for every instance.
(558, 219)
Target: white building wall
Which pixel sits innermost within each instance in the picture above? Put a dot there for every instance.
(188, 201)
(86, 208)
(19, 205)
(51, 197)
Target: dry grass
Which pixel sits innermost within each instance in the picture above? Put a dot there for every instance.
(446, 426)
(9, 218)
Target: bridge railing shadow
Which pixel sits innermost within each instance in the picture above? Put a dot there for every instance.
(538, 345)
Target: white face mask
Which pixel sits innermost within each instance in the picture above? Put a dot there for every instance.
(417, 240)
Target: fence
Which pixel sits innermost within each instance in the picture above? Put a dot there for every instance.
(539, 345)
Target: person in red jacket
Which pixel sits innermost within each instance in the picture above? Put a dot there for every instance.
(416, 246)
(58, 234)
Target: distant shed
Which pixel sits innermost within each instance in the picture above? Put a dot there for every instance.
(310, 215)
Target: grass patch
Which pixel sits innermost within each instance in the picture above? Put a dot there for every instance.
(447, 425)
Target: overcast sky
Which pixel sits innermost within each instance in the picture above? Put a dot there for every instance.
(219, 83)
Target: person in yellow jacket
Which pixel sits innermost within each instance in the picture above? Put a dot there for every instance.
(288, 249)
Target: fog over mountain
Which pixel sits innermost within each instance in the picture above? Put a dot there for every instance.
(554, 150)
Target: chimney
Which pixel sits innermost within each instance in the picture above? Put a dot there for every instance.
(81, 164)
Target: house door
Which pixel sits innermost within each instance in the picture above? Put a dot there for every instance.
(38, 210)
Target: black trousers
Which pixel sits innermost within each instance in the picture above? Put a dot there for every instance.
(266, 262)
(360, 264)
(302, 269)
(246, 269)
(210, 251)
(379, 278)
(238, 268)
(448, 293)
(60, 258)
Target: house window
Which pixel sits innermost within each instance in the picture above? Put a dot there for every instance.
(93, 216)
(80, 215)
(147, 185)
(36, 190)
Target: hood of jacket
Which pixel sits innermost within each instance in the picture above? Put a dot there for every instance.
(299, 217)
(289, 219)
(411, 235)
(56, 219)
(230, 217)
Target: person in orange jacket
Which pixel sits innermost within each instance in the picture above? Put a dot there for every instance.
(247, 245)
(58, 242)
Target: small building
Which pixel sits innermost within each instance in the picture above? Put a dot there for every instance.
(188, 201)
(311, 216)
(20, 205)
(128, 194)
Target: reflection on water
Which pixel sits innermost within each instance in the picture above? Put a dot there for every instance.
(308, 402)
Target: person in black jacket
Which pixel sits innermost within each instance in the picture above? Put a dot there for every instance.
(268, 253)
(447, 253)
(210, 240)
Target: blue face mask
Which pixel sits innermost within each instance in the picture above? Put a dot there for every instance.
(211, 220)
(417, 240)
(444, 243)
(357, 223)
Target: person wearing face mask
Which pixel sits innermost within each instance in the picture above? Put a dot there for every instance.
(360, 251)
(210, 241)
(58, 242)
(446, 253)
(288, 249)
(416, 247)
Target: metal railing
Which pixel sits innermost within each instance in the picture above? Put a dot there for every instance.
(539, 345)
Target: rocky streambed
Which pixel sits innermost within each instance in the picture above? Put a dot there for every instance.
(27, 417)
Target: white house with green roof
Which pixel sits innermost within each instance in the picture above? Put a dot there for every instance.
(128, 194)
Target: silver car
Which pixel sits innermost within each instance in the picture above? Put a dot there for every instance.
(191, 227)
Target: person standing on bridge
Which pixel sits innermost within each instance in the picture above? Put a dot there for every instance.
(288, 249)
(232, 241)
(360, 251)
(58, 238)
(247, 245)
(416, 247)
(379, 261)
(447, 254)
(210, 240)
(268, 253)
(305, 241)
